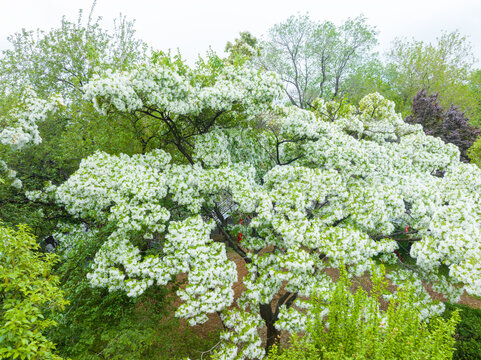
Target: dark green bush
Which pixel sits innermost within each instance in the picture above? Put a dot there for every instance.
(468, 332)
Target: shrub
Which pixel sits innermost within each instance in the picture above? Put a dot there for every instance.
(353, 326)
(27, 288)
(474, 152)
(452, 126)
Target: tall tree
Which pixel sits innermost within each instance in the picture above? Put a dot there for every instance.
(57, 64)
(451, 125)
(443, 67)
(291, 194)
(314, 59)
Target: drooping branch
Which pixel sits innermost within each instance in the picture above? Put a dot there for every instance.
(280, 142)
(178, 138)
(227, 237)
(402, 236)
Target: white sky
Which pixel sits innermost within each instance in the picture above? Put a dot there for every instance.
(193, 26)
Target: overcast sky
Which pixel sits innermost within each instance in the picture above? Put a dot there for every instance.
(194, 25)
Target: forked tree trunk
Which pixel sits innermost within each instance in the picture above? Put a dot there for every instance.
(270, 317)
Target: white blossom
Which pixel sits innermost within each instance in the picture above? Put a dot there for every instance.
(312, 194)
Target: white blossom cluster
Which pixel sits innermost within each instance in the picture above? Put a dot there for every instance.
(126, 190)
(129, 192)
(69, 237)
(292, 320)
(312, 194)
(45, 195)
(22, 121)
(175, 92)
(10, 176)
(243, 340)
(21, 127)
(187, 249)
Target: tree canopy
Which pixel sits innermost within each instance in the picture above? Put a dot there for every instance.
(306, 193)
(314, 59)
(442, 67)
(144, 170)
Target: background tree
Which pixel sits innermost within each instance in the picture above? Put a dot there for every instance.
(452, 126)
(59, 62)
(443, 67)
(314, 59)
(372, 76)
(246, 46)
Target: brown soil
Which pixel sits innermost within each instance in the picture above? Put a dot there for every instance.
(366, 284)
(214, 322)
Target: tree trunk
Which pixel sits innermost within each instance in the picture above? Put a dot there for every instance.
(272, 337)
(269, 319)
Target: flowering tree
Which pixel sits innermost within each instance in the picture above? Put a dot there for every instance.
(20, 114)
(312, 194)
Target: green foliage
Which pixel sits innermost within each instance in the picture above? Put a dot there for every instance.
(27, 288)
(468, 332)
(111, 326)
(443, 67)
(475, 89)
(374, 76)
(355, 328)
(101, 325)
(244, 48)
(474, 152)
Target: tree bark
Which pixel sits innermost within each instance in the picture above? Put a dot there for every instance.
(272, 333)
